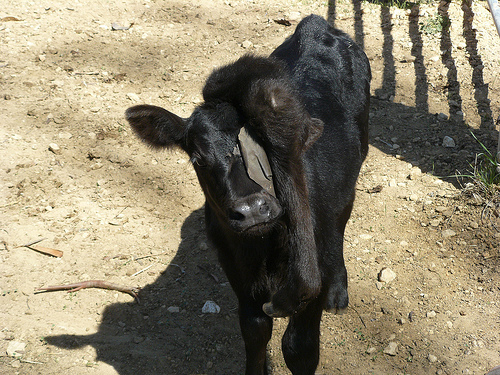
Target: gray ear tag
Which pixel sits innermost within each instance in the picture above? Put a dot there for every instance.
(256, 161)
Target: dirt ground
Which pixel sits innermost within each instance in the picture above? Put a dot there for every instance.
(72, 173)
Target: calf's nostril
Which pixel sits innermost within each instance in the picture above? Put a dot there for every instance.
(264, 208)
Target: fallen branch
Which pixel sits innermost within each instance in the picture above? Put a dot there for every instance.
(100, 284)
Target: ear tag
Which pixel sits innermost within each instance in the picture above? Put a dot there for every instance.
(256, 161)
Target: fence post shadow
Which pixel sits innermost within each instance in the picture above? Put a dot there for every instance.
(419, 132)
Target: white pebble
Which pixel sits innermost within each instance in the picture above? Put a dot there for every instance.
(386, 275)
(432, 358)
(431, 314)
(54, 148)
(210, 307)
(448, 233)
(391, 348)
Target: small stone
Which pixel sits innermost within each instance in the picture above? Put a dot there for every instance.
(386, 275)
(65, 135)
(403, 243)
(449, 324)
(173, 309)
(474, 225)
(16, 349)
(435, 222)
(365, 236)
(41, 58)
(391, 348)
(392, 183)
(294, 16)
(448, 233)
(210, 307)
(415, 173)
(379, 285)
(371, 350)
(401, 321)
(54, 148)
(95, 109)
(442, 116)
(139, 339)
(431, 314)
(432, 358)
(247, 44)
(448, 142)
(133, 97)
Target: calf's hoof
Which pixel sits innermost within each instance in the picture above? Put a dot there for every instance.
(337, 300)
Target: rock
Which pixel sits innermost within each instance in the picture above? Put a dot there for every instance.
(371, 350)
(442, 116)
(386, 275)
(16, 349)
(65, 135)
(133, 97)
(210, 307)
(431, 314)
(247, 44)
(173, 309)
(415, 173)
(448, 142)
(55, 148)
(432, 358)
(448, 233)
(413, 197)
(294, 16)
(391, 348)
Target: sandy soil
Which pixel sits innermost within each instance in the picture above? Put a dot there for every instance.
(71, 172)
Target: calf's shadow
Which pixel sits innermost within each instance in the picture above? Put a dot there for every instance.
(147, 338)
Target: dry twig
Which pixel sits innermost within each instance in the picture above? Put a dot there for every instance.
(100, 284)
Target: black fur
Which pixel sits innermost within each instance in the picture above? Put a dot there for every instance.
(307, 104)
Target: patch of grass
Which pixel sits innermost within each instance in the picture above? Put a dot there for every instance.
(485, 171)
(401, 4)
(435, 25)
(486, 168)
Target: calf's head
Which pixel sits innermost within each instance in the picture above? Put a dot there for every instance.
(211, 137)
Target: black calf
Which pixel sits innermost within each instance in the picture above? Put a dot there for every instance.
(279, 238)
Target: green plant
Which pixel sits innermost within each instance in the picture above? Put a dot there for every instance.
(435, 25)
(485, 172)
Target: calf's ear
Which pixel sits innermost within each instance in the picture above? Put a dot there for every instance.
(156, 126)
